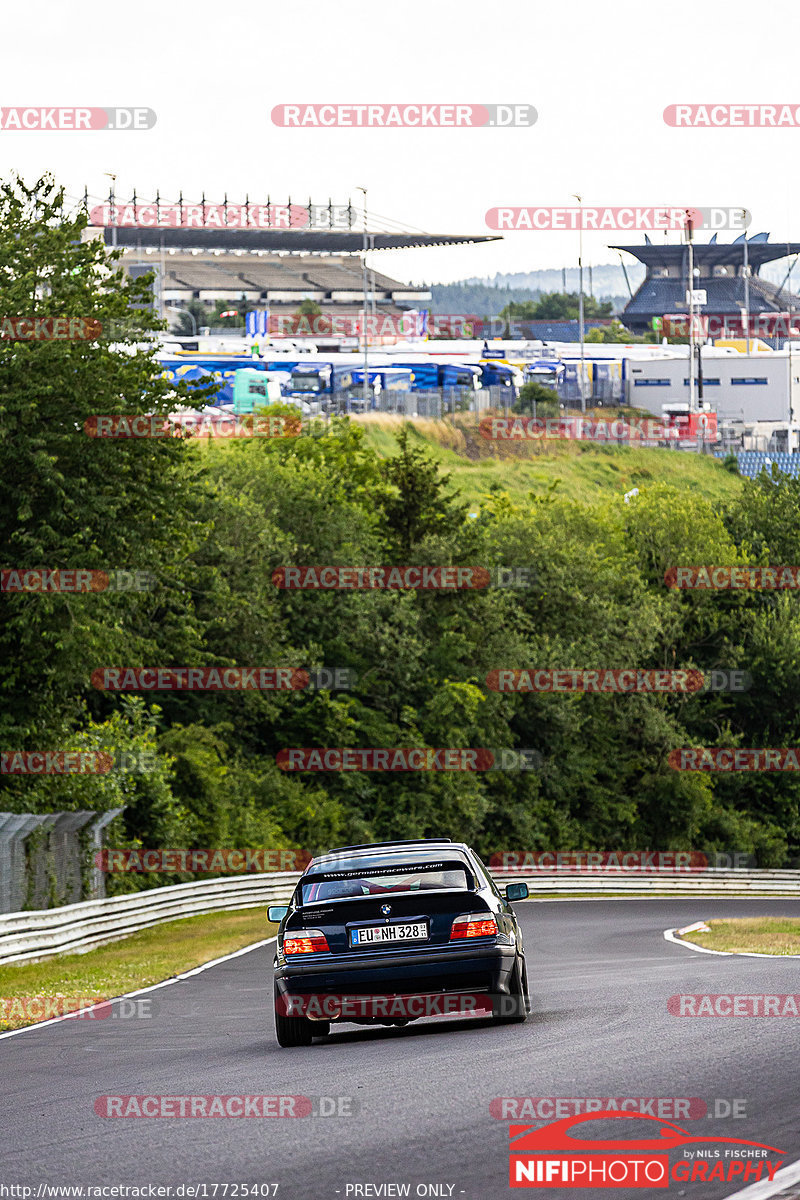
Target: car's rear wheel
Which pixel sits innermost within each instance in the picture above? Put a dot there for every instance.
(513, 1008)
(292, 1031)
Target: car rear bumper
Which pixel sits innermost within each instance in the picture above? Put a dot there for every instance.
(474, 970)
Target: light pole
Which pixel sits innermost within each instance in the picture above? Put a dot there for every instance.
(580, 292)
(790, 436)
(689, 234)
(746, 287)
(112, 198)
(365, 388)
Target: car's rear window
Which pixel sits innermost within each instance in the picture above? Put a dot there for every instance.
(377, 883)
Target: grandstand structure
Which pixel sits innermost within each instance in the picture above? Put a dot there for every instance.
(720, 270)
(261, 255)
(280, 283)
(753, 462)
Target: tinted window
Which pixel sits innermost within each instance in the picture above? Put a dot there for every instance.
(379, 884)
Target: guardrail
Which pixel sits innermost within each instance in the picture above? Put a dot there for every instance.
(712, 882)
(27, 936)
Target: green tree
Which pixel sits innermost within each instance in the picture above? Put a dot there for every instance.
(615, 332)
(69, 500)
(184, 326)
(535, 398)
(418, 503)
(308, 308)
(556, 306)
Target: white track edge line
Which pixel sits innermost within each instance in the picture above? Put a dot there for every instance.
(771, 1187)
(669, 934)
(215, 962)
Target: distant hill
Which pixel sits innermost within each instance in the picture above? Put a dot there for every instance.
(487, 297)
(482, 299)
(607, 279)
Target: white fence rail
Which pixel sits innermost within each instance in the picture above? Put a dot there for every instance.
(713, 882)
(27, 936)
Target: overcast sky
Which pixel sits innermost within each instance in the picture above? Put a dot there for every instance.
(599, 75)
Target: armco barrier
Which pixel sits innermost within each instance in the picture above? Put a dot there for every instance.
(26, 936)
(712, 882)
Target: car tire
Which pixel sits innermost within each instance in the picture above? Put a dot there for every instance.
(292, 1031)
(513, 1008)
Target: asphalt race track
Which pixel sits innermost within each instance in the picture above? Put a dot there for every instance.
(600, 974)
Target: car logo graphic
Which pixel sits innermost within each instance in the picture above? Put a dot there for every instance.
(557, 1135)
(386, 909)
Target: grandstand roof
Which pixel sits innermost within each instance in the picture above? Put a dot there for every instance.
(713, 254)
(336, 241)
(327, 278)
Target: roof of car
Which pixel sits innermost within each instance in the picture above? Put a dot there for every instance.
(425, 849)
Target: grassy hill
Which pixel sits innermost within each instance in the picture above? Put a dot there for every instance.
(580, 470)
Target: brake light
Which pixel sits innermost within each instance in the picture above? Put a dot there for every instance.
(473, 925)
(310, 941)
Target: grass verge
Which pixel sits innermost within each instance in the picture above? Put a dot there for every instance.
(126, 965)
(581, 471)
(760, 935)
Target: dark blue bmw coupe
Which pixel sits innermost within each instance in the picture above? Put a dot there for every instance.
(389, 932)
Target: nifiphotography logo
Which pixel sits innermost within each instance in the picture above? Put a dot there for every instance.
(564, 1154)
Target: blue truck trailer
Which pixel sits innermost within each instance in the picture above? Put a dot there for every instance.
(220, 370)
(431, 374)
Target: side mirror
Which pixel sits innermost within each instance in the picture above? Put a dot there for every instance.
(276, 912)
(516, 891)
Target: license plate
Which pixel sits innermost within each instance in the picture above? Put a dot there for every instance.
(374, 934)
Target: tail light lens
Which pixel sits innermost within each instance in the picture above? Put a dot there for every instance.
(310, 941)
(473, 925)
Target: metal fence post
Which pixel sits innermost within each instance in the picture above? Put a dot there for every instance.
(98, 879)
(14, 829)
